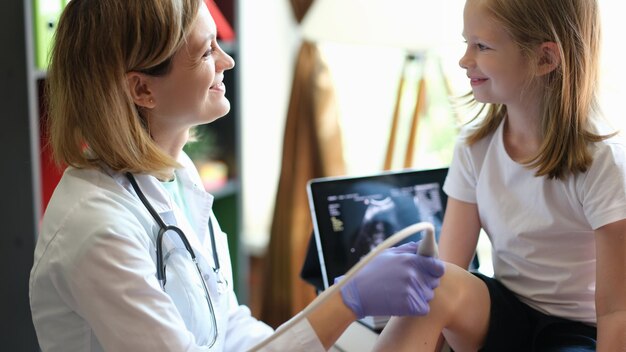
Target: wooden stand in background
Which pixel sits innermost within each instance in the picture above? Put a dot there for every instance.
(414, 64)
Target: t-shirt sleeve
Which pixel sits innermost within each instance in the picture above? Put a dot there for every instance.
(461, 180)
(603, 192)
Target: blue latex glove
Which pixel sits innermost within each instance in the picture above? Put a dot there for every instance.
(397, 282)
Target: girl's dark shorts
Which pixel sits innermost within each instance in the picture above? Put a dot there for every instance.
(514, 326)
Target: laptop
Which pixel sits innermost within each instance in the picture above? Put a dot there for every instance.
(352, 215)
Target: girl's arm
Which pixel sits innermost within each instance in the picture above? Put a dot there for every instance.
(611, 286)
(459, 233)
(459, 236)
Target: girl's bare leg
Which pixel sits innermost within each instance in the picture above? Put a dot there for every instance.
(460, 310)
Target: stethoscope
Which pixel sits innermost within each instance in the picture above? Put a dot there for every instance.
(160, 266)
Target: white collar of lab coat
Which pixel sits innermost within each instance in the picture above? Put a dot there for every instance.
(200, 201)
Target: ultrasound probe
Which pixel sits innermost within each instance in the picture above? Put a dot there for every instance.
(427, 247)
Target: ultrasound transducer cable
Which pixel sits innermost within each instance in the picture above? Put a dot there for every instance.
(427, 247)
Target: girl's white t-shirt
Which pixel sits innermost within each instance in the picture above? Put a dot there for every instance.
(541, 229)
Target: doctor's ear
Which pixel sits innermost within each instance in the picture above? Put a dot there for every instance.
(549, 58)
(139, 88)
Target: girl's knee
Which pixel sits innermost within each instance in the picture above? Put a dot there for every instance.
(457, 290)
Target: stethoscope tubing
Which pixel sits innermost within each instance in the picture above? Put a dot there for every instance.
(163, 228)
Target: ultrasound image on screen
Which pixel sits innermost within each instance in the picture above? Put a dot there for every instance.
(354, 217)
(373, 212)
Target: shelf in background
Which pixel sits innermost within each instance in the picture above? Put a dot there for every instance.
(40, 74)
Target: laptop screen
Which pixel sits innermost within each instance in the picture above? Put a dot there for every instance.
(352, 215)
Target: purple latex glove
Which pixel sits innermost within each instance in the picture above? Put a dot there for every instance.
(397, 282)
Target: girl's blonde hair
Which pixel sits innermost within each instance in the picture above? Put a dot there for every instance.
(92, 117)
(570, 96)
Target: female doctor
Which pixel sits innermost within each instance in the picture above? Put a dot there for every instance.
(125, 260)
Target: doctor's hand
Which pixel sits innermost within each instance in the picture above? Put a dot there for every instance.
(397, 282)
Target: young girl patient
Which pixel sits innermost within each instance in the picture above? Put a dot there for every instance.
(545, 184)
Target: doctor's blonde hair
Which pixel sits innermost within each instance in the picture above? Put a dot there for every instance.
(92, 117)
(569, 98)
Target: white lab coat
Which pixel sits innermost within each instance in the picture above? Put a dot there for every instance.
(93, 285)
